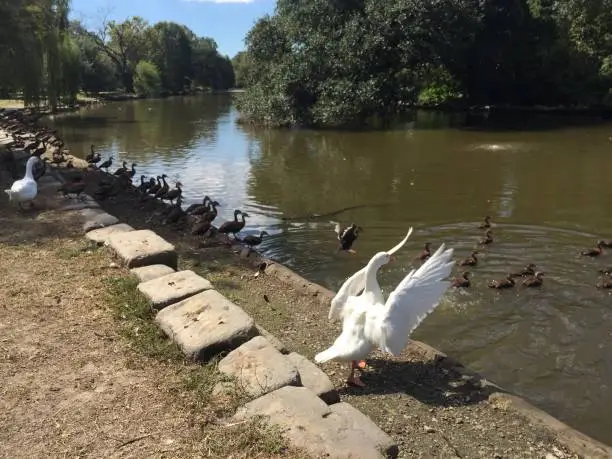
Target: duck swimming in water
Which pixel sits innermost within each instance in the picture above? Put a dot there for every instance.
(488, 239)
(425, 253)
(470, 261)
(597, 251)
(534, 281)
(463, 281)
(507, 282)
(348, 236)
(528, 270)
(486, 224)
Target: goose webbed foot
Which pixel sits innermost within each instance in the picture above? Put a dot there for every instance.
(354, 380)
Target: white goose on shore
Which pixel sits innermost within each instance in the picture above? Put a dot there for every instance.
(26, 189)
(369, 321)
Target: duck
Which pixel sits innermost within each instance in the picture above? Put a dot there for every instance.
(607, 244)
(463, 281)
(122, 170)
(164, 188)
(507, 282)
(173, 194)
(251, 240)
(106, 164)
(425, 253)
(606, 271)
(604, 283)
(534, 281)
(144, 186)
(75, 188)
(470, 261)
(528, 270)
(132, 172)
(234, 226)
(211, 214)
(153, 189)
(368, 321)
(347, 237)
(488, 239)
(176, 212)
(200, 226)
(93, 157)
(25, 189)
(203, 206)
(486, 224)
(597, 251)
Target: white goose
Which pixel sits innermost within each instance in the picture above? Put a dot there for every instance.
(26, 189)
(369, 321)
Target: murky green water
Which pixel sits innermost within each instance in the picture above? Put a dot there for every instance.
(547, 187)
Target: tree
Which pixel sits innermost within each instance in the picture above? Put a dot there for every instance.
(147, 80)
(170, 49)
(242, 68)
(124, 43)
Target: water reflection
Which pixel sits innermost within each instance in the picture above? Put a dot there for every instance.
(547, 189)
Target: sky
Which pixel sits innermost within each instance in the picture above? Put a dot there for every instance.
(226, 21)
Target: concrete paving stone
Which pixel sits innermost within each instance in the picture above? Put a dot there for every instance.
(338, 431)
(274, 341)
(142, 248)
(147, 273)
(314, 378)
(97, 218)
(101, 235)
(259, 368)
(206, 324)
(173, 288)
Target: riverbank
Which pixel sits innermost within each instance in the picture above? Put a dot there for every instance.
(428, 403)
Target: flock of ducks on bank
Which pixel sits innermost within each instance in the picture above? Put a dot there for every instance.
(528, 276)
(157, 188)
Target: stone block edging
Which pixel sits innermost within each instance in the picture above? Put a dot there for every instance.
(204, 323)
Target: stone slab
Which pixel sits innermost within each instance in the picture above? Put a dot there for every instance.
(314, 379)
(147, 273)
(321, 430)
(259, 368)
(172, 288)
(206, 324)
(100, 236)
(274, 341)
(143, 248)
(97, 218)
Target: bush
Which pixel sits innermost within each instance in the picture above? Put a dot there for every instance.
(147, 80)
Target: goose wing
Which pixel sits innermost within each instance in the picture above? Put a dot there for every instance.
(417, 295)
(354, 285)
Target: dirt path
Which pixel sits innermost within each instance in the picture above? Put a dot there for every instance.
(432, 408)
(85, 374)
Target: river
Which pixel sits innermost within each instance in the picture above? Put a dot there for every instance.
(546, 186)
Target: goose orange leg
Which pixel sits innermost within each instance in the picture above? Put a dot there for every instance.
(354, 380)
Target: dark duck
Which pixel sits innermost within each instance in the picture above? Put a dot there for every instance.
(507, 282)
(463, 281)
(348, 236)
(597, 251)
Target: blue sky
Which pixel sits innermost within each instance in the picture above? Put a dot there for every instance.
(227, 21)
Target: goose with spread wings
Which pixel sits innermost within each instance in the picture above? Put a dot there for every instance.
(368, 321)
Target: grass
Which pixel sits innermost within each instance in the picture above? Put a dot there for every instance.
(196, 382)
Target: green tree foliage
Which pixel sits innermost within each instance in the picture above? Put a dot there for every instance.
(241, 64)
(147, 79)
(44, 57)
(345, 62)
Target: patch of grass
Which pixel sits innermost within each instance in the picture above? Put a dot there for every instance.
(136, 318)
(195, 382)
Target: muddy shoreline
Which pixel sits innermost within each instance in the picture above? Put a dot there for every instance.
(203, 253)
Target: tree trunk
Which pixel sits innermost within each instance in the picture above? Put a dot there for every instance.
(128, 81)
